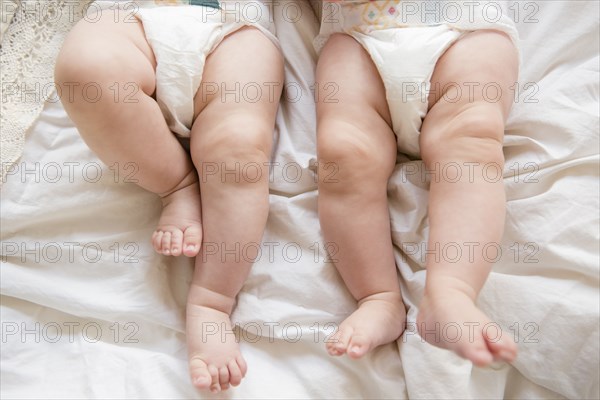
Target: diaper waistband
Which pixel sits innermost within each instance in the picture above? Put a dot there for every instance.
(205, 3)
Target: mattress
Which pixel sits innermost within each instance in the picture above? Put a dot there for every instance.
(89, 310)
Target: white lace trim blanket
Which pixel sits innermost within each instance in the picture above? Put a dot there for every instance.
(32, 32)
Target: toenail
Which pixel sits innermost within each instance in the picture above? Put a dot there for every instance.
(200, 380)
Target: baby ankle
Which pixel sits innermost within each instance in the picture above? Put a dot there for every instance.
(204, 297)
(391, 297)
(189, 179)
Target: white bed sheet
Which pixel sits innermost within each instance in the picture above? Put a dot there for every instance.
(122, 322)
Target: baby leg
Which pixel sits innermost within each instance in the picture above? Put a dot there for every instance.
(357, 154)
(468, 211)
(125, 126)
(231, 147)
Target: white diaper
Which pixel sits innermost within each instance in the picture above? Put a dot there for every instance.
(406, 45)
(181, 37)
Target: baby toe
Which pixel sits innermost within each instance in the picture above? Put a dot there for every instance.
(476, 352)
(339, 341)
(200, 376)
(358, 346)
(344, 339)
(242, 364)
(166, 243)
(192, 238)
(481, 358)
(331, 342)
(503, 349)
(224, 378)
(215, 387)
(176, 242)
(157, 240)
(235, 373)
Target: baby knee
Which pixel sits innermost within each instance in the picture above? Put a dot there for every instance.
(474, 135)
(235, 159)
(354, 158)
(233, 145)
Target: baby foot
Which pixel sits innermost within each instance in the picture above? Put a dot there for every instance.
(214, 354)
(450, 320)
(379, 319)
(179, 229)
